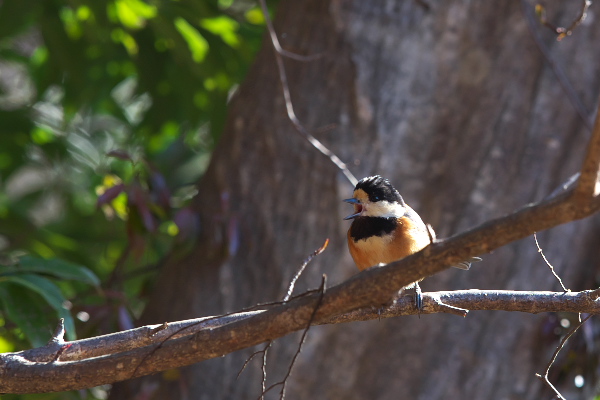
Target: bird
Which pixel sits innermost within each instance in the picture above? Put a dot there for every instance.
(385, 229)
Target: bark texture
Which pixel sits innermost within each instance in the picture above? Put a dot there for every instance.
(457, 107)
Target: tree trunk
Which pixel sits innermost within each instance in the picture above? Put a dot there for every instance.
(456, 105)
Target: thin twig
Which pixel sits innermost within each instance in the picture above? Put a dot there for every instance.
(58, 336)
(302, 267)
(304, 334)
(548, 264)
(560, 31)
(263, 351)
(461, 312)
(264, 369)
(275, 39)
(557, 68)
(283, 382)
(558, 349)
(288, 100)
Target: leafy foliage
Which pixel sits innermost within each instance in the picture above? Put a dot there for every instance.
(26, 309)
(109, 112)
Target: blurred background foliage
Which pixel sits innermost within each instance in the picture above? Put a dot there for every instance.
(108, 114)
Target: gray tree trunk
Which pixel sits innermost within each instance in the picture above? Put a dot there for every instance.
(457, 107)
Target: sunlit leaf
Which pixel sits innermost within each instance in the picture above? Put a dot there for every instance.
(71, 23)
(197, 44)
(84, 13)
(42, 136)
(255, 16)
(5, 345)
(134, 13)
(224, 27)
(110, 194)
(39, 56)
(119, 35)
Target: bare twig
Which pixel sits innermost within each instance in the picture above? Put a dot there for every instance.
(302, 340)
(544, 378)
(548, 263)
(159, 328)
(58, 339)
(59, 332)
(442, 307)
(288, 100)
(556, 67)
(560, 31)
(275, 39)
(262, 352)
(301, 269)
(264, 369)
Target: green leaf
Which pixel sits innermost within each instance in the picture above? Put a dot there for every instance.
(56, 267)
(50, 292)
(27, 312)
(134, 13)
(197, 44)
(224, 27)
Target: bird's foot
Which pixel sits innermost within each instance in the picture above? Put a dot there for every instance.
(418, 297)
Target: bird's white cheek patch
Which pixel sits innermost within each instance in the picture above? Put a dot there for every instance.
(384, 209)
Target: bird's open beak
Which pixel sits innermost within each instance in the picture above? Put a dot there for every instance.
(357, 208)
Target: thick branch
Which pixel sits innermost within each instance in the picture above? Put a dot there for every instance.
(25, 372)
(129, 340)
(497, 300)
(505, 300)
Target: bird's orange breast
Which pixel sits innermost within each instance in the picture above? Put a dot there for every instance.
(409, 237)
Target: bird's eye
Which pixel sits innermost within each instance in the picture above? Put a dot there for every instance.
(376, 198)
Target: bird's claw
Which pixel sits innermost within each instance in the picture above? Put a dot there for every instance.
(418, 299)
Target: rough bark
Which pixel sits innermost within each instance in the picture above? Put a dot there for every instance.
(457, 107)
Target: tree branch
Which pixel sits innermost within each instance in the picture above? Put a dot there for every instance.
(588, 181)
(114, 357)
(372, 287)
(560, 31)
(491, 300)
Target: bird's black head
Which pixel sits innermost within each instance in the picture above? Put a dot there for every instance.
(375, 196)
(379, 189)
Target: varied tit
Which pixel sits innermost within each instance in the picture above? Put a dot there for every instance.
(384, 228)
